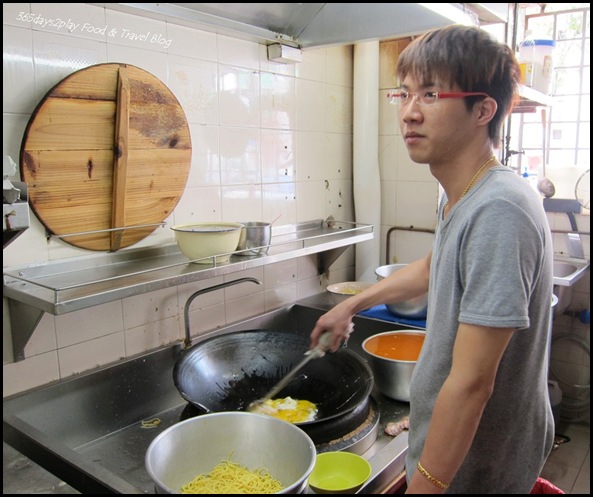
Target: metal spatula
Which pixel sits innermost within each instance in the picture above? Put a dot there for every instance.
(258, 405)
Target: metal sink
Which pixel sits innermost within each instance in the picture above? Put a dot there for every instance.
(568, 271)
(88, 430)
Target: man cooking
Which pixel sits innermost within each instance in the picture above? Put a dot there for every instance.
(480, 415)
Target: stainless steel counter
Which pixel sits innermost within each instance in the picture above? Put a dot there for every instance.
(20, 475)
(87, 430)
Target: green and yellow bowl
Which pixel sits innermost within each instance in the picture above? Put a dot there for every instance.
(339, 473)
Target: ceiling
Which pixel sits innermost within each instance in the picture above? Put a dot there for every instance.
(308, 25)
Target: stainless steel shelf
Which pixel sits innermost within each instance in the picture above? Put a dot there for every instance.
(70, 285)
(531, 100)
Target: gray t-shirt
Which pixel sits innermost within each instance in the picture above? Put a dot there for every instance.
(492, 266)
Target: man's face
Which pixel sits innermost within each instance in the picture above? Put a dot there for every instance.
(433, 129)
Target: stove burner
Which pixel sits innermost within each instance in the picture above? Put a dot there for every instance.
(360, 437)
(355, 431)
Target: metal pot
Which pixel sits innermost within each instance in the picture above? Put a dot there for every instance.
(393, 376)
(227, 372)
(194, 446)
(415, 308)
(255, 238)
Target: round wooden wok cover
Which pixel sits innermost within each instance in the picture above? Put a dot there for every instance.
(107, 148)
(227, 372)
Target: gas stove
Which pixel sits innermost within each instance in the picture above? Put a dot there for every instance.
(93, 430)
(355, 431)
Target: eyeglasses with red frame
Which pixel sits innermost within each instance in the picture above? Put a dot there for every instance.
(429, 97)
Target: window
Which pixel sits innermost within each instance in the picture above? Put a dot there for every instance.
(558, 137)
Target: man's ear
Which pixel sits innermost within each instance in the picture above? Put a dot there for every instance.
(486, 109)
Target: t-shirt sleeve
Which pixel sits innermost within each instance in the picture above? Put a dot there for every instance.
(499, 265)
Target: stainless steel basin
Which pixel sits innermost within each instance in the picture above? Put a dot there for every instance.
(567, 271)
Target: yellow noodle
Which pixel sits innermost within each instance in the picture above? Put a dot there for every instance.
(351, 291)
(150, 423)
(228, 477)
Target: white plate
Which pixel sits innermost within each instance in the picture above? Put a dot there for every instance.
(348, 287)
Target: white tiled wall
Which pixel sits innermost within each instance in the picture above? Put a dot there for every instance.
(409, 193)
(267, 140)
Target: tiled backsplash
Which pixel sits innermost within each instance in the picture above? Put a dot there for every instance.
(267, 140)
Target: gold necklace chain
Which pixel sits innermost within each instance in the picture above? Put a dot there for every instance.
(474, 178)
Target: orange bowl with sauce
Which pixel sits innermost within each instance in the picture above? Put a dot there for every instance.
(393, 356)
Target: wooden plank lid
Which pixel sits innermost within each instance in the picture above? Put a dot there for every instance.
(108, 147)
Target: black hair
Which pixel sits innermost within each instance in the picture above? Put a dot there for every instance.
(467, 57)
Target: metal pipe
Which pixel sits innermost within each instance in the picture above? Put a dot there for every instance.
(191, 298)
(365, 152)
(566, 232)
(136, 226)
(507, 140)
(401, 228)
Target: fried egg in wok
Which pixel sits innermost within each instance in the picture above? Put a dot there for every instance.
(291, 410)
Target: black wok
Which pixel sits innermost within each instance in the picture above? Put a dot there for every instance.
(227, 372)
